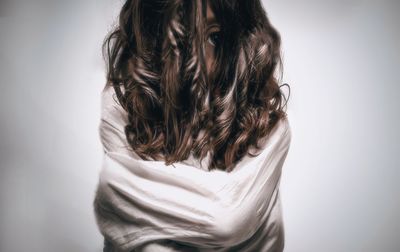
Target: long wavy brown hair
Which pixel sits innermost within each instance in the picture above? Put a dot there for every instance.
(156, 64)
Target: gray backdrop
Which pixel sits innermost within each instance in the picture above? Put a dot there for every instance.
(340, 187)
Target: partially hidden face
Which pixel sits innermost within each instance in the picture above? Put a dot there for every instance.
(213, 37)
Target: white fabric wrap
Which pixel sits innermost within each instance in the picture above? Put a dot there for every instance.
(144, 205)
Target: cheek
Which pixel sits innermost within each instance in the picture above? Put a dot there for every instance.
(209, 56)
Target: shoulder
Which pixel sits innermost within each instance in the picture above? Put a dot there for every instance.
(108, 97)
(283, 126)
(111, 109)
(113, 120)
(280, 134)
(282, 131)
(286, 128)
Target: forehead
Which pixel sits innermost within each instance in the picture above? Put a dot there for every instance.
(210, 14)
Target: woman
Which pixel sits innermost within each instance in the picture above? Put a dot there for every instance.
(193, 129)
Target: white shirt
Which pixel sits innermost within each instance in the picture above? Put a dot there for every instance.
(144, 205)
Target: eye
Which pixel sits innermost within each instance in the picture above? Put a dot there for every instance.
(214, 38)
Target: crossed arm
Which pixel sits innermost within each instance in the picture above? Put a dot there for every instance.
(143, 204)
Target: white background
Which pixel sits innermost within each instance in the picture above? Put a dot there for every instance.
(340, 187)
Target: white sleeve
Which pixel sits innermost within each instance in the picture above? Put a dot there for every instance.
(141, 201)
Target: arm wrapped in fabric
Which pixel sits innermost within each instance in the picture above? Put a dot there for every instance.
(140, 201)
